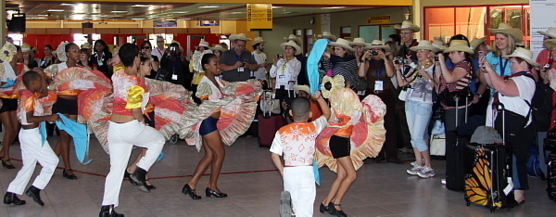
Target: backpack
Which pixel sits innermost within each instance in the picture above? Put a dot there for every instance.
(542, 106)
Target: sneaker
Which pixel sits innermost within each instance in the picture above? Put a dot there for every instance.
(426, 173)
(413, 171)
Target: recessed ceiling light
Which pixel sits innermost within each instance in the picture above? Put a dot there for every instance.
(209, 6)
(140, 6)
(118, 11)
(180, 12)
(55, 10)
(333, 7)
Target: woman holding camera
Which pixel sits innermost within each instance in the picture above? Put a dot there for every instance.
(418, 106)
(342, 62)
(378, 70)
(286, 69)
(454, 97)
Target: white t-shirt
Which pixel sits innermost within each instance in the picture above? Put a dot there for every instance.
(260, 58)
(526, 87)
(297, 141)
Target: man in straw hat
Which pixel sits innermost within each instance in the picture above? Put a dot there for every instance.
(259, 55)
(544, 56)
(407, 33)
(378, 69)
(515, 91)
(236, 64)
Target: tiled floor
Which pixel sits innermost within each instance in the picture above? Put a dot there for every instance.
(253, 186)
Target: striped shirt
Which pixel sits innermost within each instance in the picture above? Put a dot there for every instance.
(460, 84)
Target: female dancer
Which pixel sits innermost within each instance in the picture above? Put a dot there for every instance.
(66, 104)
(8, 111)
(209, 89)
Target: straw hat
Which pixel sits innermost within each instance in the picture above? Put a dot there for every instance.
(550, 32)
(294, 38)
(523, 54)
(342, 43)
(549, 43)
(439, 44)
(458, 45)
(25, 48)
(328, 35)
(297, 88)
(425, 45)
(509, 30)
(240, 36)
(257, 41)
(86, 45)
(292, 44)
(218, 47)
(378, 44)
(358, 42)
(203, 43)
(406, 24)
(476, 42)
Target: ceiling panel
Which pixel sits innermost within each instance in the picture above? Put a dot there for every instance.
(48, 10)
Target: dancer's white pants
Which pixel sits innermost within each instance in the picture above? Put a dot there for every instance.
(33, 150)
(300, 182)
(121, 139)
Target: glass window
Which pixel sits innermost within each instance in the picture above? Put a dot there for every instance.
(439, 22)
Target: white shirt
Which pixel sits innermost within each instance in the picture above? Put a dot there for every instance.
(297, 141)
(286, 73)
(260, 58)
(158, 53)
(526, 87)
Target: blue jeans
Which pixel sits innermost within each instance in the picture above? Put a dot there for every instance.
(418, 115)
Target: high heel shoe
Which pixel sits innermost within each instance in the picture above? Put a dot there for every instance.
(191, 192)
(334, 211)
(210, 192)
(5, 165)
(68, 176)
(324, 208)
(150, 187)
(128, 176)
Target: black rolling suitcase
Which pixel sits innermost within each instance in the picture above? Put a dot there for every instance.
(486, 183)
(455, 158)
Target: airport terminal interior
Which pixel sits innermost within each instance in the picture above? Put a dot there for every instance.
(248, 175)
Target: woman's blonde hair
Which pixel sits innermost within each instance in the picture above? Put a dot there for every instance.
(511, 46)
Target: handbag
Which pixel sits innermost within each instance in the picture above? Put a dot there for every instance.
(404, 93)
(438, 145)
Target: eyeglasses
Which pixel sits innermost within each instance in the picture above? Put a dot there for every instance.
(159, 41)
(146, 47)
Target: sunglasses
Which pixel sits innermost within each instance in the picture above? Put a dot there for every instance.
(146, 47)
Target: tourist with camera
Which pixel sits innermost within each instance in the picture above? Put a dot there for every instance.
(378, 70)
(286, 69)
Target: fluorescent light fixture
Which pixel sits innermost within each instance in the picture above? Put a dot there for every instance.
(118, 11)
(209, 6)
(332, 8)
(55, 10)
(67, 4)
(180, 12)
(42, 15)
(237, 12)
(140, 6)
(137, 18)
(276, 7)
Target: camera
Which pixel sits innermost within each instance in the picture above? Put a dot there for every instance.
(374, 52)
(436, 58)
(280, 55)
(172, 48)
(400, 61)
(546, 66)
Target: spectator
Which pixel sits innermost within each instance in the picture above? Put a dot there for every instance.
(236, 64)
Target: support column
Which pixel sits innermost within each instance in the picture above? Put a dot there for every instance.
(3, 30)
